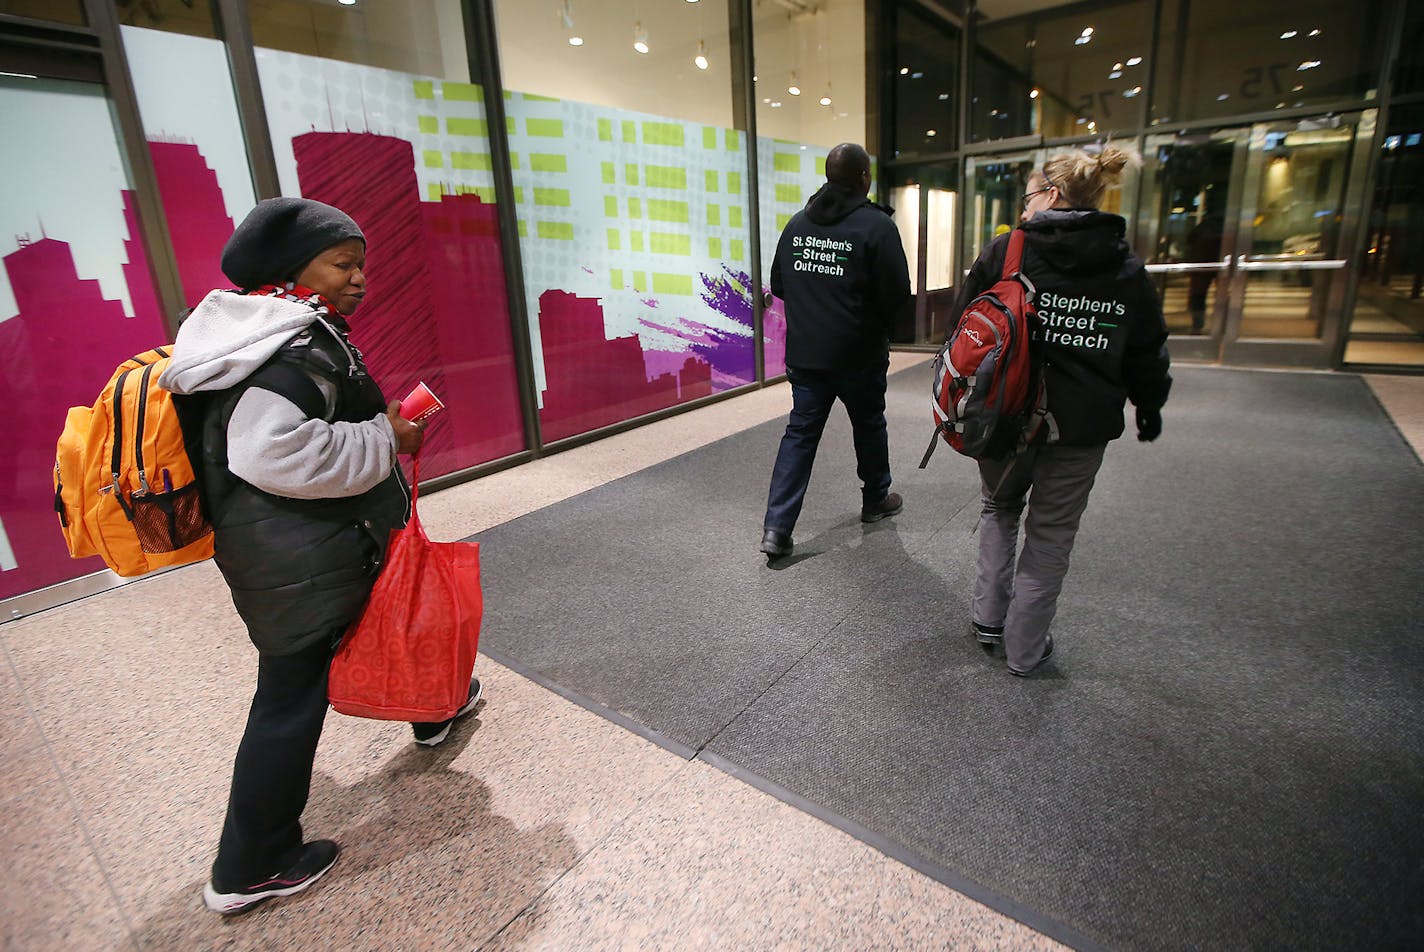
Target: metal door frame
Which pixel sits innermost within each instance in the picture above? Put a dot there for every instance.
(1206, 347)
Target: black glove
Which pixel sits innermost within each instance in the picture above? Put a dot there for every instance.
(1149, 425)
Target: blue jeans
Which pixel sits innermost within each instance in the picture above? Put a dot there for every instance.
(813, 393)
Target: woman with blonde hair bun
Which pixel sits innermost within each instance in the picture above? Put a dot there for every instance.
(1103, 343)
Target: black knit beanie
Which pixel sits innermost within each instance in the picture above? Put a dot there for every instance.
(279, 237)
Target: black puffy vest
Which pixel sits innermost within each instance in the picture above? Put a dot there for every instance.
(300, 570)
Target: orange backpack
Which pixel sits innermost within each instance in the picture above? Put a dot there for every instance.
(124, 488)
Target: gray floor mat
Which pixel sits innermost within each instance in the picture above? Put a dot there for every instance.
(1225, 751)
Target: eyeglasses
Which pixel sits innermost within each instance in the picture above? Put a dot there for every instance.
(1037, 191)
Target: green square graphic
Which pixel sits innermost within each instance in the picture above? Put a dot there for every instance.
(734, 183)
(630, 174)
(672, 284)
(640, 281)
(788, 194)
(548, 162)
(738, 254)
(821, 166)
(559, 230)
(471, 161)
(630, 131)
(662, 209)
(434, 159)
(714, 214)
(605, 130)
(666, 243)
(615, 240)
(610, 206)
(714, 247)
(709, 138)
(552, 196)
(662, 133)
(733, 139)
(545, 128)
(430, 125)
(635, 208)
(666, 176)
(786, 162)
(424, 89)
(514, 160)
(734, 216)
(711, 180)
(615, 279)
(781, 221)
(462, 92)
(635, 240)
(460, 126)
(519, 194)
(609, 174)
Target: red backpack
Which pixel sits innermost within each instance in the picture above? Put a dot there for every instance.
(988, 387)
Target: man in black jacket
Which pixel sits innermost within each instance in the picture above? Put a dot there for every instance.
(841, 270)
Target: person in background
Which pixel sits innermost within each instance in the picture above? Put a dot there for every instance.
(1104, 342)
(841, 270)
(296, 448)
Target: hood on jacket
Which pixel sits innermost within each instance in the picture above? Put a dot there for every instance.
(833, 202)
(1078, 241)
(228, 336)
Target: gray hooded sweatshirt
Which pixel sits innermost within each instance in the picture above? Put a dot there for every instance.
(271, 443)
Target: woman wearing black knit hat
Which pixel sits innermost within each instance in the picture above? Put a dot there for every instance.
(301, 484)
(1104, 342)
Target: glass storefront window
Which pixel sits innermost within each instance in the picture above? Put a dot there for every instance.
(170, 16)
(1223, 57)
(996, 188)
(76, 298)
(1409, 68)
(631, 189)
(385, 125)
(1388, 322)
(813, 53)
(414, 36)
(1003, 104)
(1060, 75)
(924, 82)
(59, 11)
(585, 50)
(196, 143)
(819, 55)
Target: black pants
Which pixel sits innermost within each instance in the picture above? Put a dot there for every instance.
(813, 394)
(271, 776)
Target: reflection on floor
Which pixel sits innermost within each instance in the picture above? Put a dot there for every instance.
(1387, 327)
(1385, 352)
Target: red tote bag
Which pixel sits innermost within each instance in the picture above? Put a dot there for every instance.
(410, 655)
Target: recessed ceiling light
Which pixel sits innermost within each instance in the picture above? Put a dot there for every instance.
(825, 100)
(1134, 61)
(576, 41)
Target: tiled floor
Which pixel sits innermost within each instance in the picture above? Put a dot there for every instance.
(537, 825)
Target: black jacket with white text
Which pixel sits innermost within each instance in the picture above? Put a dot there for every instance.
(1105, 339)
(841, 270)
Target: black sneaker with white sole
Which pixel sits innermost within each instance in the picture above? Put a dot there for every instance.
(311, 864)
(430, 733)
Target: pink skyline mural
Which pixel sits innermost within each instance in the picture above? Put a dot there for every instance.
(436, 307)
(58, 351)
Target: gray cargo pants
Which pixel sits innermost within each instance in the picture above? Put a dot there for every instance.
(1024, 601)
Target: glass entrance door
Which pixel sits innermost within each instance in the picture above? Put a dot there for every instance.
(1246, 233)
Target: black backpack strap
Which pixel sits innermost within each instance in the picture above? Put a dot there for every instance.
(290, 381)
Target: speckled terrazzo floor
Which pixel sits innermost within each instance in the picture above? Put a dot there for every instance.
(538, 825)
